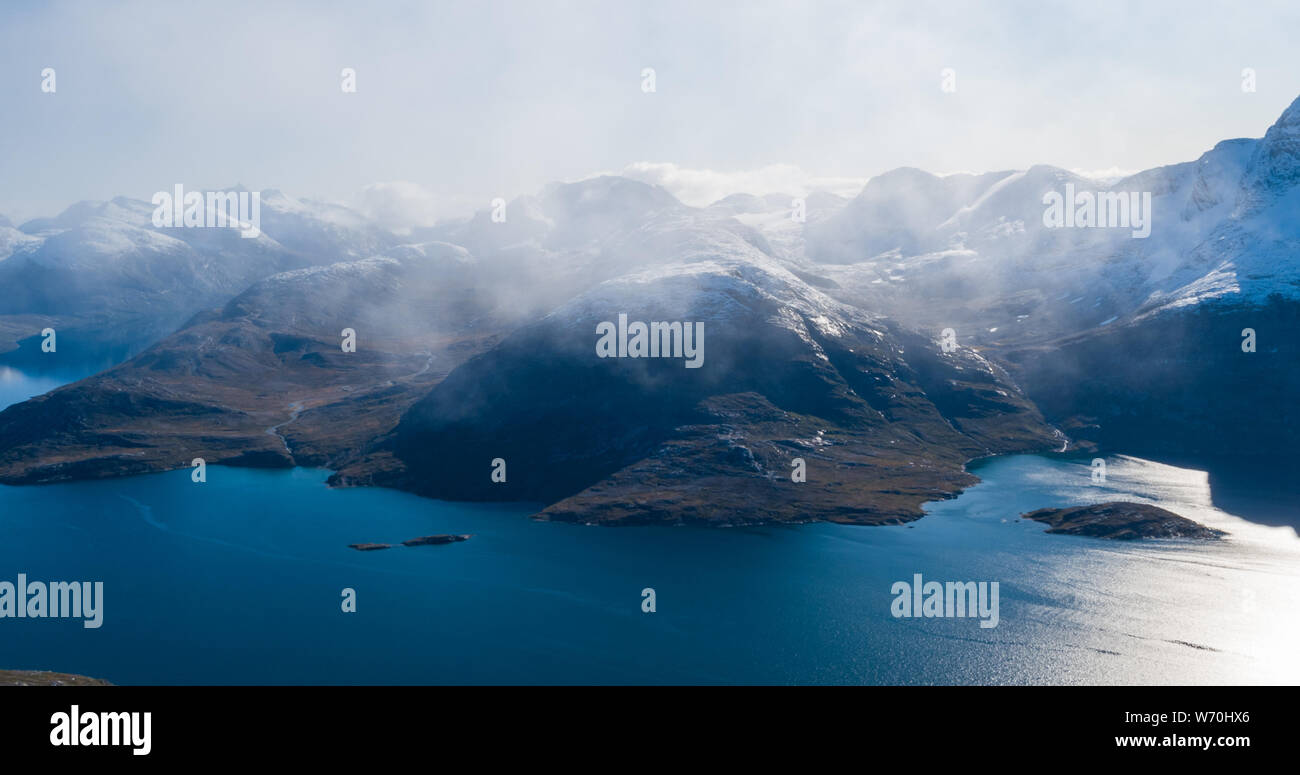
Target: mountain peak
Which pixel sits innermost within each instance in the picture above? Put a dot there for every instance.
(1290, 117)
(1275, 167)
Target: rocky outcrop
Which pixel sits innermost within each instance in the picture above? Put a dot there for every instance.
(435, 540)
(47, 678)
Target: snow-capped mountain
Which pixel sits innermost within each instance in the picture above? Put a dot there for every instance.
(974, 251)
(820, 321)
(780, 218)
(784, 372)
(12, 240)
(112, 279)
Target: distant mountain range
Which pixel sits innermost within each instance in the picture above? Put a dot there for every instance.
(106, 278)
(476, 339)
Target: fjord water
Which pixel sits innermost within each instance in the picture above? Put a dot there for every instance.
(17, 385)
(238, 581)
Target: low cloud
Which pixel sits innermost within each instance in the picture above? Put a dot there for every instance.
(400, 205)
(1106, 176)
(701, 187)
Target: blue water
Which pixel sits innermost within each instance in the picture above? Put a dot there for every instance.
(18, 385)
(237, 581)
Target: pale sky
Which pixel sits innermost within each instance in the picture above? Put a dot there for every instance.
(461, 102)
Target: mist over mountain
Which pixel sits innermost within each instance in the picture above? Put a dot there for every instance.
(263, 380)
(973, 252)
(106, 278)
(822, 320)
(786, 373)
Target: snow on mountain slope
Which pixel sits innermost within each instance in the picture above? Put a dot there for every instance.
(573, 236)
(13, 241)
(123, 209)
(773, 216)
(1274, 169)
(976, 252)
(322, 231)
(717, 278)
(129, 282)
(970, 250)
(899, 210)
(1238, 238)
(405, 294)
(780, 362)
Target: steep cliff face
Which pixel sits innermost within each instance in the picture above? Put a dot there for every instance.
(1274, 169)
(1177, 384)
(1131, 343)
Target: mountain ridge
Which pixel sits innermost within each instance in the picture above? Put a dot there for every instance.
(821, 339)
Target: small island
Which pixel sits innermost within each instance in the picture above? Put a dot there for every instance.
(1122, 521)
(435, 540)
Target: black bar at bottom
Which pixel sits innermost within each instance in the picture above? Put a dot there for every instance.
(332, 724)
